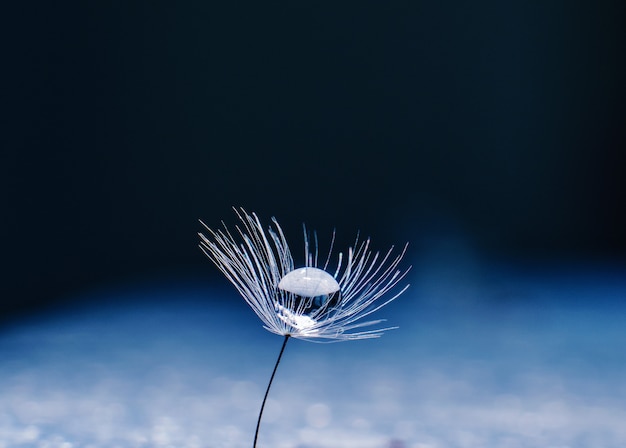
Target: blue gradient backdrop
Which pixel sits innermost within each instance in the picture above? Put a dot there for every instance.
(490, 136)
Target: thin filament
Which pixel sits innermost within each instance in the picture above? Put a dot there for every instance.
(267, 391)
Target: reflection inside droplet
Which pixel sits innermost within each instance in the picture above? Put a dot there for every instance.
(309, 305)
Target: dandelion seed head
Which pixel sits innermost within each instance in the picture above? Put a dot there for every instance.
(306, 302)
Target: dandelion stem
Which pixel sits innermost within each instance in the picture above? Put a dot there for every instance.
(267, 391)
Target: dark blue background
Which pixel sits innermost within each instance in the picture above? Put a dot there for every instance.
(499, 123)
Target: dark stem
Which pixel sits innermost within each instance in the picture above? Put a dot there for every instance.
(258, 423)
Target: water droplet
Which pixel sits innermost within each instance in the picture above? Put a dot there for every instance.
(313, 289)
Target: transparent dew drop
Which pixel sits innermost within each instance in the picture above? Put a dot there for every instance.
(313, 289)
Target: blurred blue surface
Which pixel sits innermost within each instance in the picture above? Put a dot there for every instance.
(486, 355)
